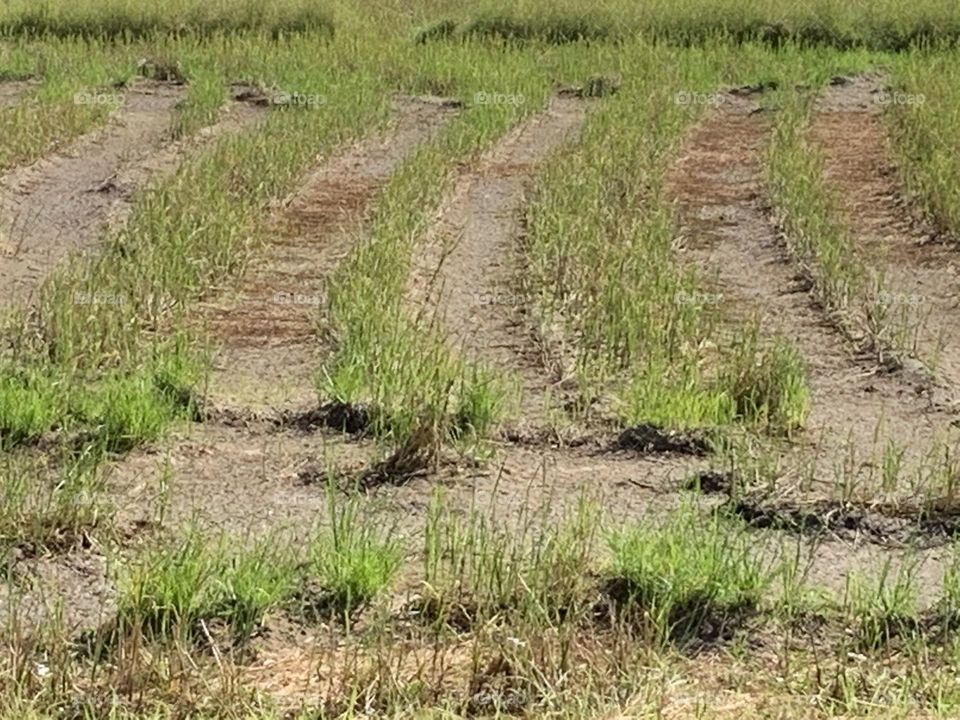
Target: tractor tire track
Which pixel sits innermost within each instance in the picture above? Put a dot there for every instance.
(268, 327)
(470, 272)
(64, 203)
(921, 277)
(726, 231)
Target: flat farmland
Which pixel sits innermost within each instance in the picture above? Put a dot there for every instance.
(414, 360)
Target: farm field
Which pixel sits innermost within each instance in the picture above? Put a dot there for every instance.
(421, 360)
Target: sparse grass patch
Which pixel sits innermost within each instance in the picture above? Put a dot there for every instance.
(534, 571)
(174, 589)
(44, 508)
(884, 606)
(349, 562)
(768, 384)
(926, 136)
(809, 214)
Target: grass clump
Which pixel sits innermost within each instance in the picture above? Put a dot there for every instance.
(687, 573)
(187, 586)
(884, 607)
(533, 571)
(552, 28)
(31, 404)
(768, 384)
(350, 562)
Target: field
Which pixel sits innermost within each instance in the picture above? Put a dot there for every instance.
(414, 360)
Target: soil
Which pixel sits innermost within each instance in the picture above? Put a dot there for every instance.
(726, 230)
(264, 461)
(74, 588)
(64, 203)
(471, 271)
(922, 276)
(268, 327)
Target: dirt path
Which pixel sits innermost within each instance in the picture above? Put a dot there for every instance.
(64, 203)
(471, 270)
(725, 230)
(268, 327)
(922, 277)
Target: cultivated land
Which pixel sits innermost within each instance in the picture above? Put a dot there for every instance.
(519, 360)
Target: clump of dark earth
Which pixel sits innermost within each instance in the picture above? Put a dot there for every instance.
(652, 439)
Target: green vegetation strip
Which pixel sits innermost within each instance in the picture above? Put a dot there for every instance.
(833, 23)
(926, 128)
(602, 265)
(130, 19)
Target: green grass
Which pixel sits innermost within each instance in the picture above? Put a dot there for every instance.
(884, 25)
(127, 19)
(686, 572)
(926, 137)
(351, 561)
(177, 590)
(530, 569)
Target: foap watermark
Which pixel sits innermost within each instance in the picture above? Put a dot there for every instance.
(506, 299)
(298, 99)
(893, 299)
(498, 98)
(893, 97)
(99, 98)
(684, 297)
(286, 298)
(689, 97)
(97, 298)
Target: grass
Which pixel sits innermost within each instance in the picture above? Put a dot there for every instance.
(684, 574)
(885, 26)
(532, 571)
(924, 134)
(48, 509)
(351, 561)
(126, 19)
(179, 590)
(638, 602)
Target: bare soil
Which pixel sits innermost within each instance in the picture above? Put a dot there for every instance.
(12, 91)
(64, 203)
(726, 231)
(471, 271)
(268, 326)
(922, 276)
